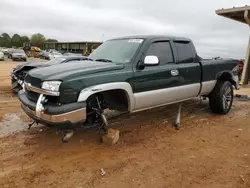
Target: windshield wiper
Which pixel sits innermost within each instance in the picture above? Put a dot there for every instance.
(87, 59)
(104, 60)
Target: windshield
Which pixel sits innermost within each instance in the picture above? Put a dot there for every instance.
(118, 51)
(56, 61)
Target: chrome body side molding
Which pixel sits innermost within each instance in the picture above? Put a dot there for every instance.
(155, 98)
(207, 87)
(74, 116)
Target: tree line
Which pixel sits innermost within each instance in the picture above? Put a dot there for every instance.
(17, 41)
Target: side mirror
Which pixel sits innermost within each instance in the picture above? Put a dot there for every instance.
(151, 60)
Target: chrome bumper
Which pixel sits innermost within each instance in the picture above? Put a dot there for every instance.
(70, 114)
(73, 117)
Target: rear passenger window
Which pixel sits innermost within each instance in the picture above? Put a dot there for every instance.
(185, 52)
(162, 50)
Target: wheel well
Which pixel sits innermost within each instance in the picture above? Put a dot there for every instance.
(116, 99)
(225, 76)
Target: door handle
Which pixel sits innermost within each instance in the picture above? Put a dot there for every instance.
(174, 72)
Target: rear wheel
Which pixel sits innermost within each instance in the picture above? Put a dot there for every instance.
(221, 98)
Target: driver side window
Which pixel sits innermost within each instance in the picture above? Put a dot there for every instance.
(162, 50)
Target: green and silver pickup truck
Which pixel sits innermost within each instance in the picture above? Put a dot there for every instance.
(127, 74)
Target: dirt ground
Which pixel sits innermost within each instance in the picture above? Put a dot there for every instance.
(209, 151)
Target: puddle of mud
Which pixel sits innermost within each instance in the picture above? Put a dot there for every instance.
(12, 123)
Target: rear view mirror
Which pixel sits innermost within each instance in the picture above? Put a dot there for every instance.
(151, 60)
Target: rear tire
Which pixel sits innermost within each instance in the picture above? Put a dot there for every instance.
(221, 98)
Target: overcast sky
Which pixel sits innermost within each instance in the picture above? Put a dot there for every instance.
(80, 20)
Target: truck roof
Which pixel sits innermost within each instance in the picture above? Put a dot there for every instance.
(149, 37)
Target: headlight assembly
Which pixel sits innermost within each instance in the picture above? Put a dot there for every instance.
(51, 85)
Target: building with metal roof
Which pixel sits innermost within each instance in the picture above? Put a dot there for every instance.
(240, 14)
(84, 47)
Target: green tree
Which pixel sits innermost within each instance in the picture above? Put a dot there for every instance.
(51, 40)
(16, 40)
(5, 40)
(6, 36)
(1, 42)
(37, 40)
(25, 39)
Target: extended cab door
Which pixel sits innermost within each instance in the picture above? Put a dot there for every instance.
(189, 69)
(156, 85)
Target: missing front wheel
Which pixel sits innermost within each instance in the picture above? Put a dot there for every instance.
(95, 109)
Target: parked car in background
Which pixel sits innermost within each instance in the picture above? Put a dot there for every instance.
(53, 55)
(1, 56)
(20, 71)
(52, 50)
(2, 49)
(44, 55)
(18, 55)
(9, 53)
(5, 51)
(50, 54)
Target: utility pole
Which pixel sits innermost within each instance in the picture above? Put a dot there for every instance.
(245, 73)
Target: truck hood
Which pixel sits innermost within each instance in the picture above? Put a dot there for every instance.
(74, 69)
(30, 64)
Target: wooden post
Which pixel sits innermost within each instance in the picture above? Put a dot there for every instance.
(245, 73)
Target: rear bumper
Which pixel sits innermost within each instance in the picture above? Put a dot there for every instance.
(68, 116)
